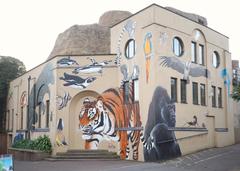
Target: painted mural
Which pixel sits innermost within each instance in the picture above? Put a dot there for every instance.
(66, 62)
(76, 81)
(60, 138)
(110, 118)
(194, 122)
(126, 75)
(6, 162)
(18, 137)
(161, 143)
(23, 99)
(227, 80)
(94, 67)
(129, 27)
(40, 88)
(186, 68)
(148, 53)
(62, 101)
(163, 38)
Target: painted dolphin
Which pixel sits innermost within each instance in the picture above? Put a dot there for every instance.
(76, 81)
(66, 62)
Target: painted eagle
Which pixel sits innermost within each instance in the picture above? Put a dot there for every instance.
(186, 68)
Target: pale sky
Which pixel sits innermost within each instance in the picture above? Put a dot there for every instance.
(29, 28)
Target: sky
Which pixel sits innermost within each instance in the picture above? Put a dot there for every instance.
(29, 28)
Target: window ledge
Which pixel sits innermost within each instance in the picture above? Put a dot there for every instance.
(196, 104)
(184, 102)
(41, 130)
(21, 130)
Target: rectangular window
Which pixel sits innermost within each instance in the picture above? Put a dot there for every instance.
(203, 94)
(47, 113)
(39, 114)
(11, 120)
(195, 92)
(219, 97)
(8, 120)
(183, 91)
(174, 89)
(194, 52)
(136, 90)
(213, 96)
(126, 92)
(21, 118)
(201, 54)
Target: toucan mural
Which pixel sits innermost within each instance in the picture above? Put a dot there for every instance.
(148, 52)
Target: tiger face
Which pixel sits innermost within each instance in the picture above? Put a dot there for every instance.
(89, 118)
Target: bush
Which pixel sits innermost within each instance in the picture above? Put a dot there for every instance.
(41, 144)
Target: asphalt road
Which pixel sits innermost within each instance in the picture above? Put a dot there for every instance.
(216, 159)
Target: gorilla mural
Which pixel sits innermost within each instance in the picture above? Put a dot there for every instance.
(161, 143)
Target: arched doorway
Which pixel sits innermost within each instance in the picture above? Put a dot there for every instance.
(75, 134)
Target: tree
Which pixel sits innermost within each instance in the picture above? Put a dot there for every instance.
(236, 93)
(10, 68)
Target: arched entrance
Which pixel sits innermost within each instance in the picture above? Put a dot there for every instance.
(75, 134)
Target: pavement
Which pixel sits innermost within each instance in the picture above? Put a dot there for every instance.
(215, 159)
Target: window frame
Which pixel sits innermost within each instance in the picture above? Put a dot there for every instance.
(47, 113)
(201, 57)
(216, 54)
(194, 58)
(39, 115)
(126, 92)
(214, 103)
(135, 87)
(195, 93)
(219, 96)
(178, 49)
(174, 93)
(183, 87)
(203, 94)
(127, 49)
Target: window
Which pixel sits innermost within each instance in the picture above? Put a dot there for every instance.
(183, 91)
(39, 114)
(174, 89)
(130, 49)
(136, 90)
(213, 96)
(201, 54)
(202, 93)
(195, 92)
(21, 118)
(177, 46)
(194, 52)
(47, 113)
(8, 120)
(126, 92)
(215, 59)
(11, 120)
(219, 97)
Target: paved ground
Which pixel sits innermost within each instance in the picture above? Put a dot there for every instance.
(216, 159)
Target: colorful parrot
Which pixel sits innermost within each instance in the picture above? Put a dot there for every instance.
(147, 46)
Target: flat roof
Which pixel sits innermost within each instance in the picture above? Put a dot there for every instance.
(169, 11)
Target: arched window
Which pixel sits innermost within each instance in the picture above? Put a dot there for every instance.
(177, 46)
(215, 59)
(198, 47)
(130, 49)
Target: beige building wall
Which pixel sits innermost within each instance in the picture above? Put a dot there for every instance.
(153, 30)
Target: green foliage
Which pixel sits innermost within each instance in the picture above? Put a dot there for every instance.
(41, 144)
(236, 93)
(10, 68)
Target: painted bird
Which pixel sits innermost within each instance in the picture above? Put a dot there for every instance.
(148, 53)
(186, 68)
(76, 81)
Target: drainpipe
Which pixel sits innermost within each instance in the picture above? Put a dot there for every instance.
(28, 117)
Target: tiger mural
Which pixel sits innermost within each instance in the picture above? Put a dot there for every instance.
(112, 116)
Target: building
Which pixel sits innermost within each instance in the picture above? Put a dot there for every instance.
(160, 89)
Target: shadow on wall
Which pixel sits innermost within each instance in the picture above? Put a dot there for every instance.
(161, 143)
